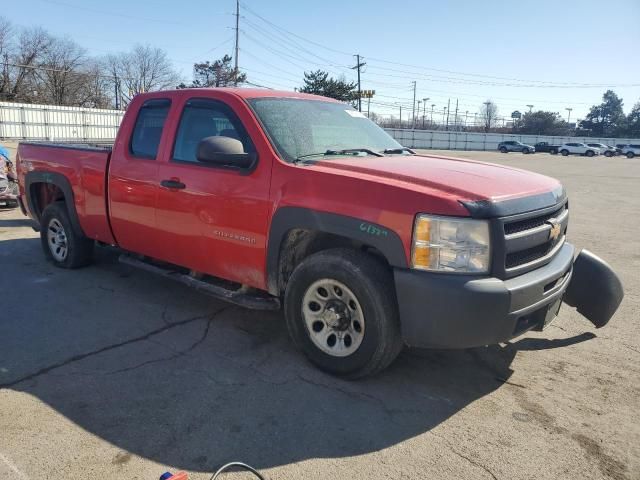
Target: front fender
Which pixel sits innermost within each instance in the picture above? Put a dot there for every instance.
(285, 219)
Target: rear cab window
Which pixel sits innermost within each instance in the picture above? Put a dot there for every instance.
(147, 131)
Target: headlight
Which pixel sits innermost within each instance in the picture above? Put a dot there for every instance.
(449, 244)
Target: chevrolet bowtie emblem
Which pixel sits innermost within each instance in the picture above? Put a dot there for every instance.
(554, 233)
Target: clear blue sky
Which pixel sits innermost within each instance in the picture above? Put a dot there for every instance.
(561, 42)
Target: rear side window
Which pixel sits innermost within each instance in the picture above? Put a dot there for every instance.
(206, 118)
(148, 129)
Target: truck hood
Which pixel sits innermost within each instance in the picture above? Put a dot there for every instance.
(467, 180)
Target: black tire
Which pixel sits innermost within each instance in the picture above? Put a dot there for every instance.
(630, 154)
(553, 151)
(78, 248)
(608, 153)
(564, 153)
(372, 284)
(504, 150)
(526, 151)
(589, 153)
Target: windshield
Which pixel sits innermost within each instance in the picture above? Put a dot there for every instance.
(299, 127)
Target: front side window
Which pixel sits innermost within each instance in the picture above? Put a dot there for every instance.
(299, 127)
(206, 118)
(147, 131)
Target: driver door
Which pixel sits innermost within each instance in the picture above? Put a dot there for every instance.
(213, 219)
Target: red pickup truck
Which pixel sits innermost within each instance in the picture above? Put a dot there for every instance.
(265, 198)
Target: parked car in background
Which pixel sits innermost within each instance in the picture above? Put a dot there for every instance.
(605, 150)
(631, 150)
(8, 183)
(578, 149)
(620, 147)
(513, 146)
(546, 147)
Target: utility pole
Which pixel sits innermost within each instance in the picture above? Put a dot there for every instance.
(455, 118)
(413, 114)
(569, 115)
(448, 112)
(400, 116)
(116, 84)
(235, 57)
(358, 66)
(419, 102)
(432, 105)
(444, 113)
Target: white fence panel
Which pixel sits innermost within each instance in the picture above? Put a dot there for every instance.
(21, 121)
(443, 140)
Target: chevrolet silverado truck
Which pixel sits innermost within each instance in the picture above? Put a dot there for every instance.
(284, 200)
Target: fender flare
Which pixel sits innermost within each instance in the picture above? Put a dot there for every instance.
(63, 184)
(285, 219)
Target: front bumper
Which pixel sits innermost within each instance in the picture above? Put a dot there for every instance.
(462, 311)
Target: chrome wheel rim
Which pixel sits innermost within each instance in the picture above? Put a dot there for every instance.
(333, 317)
(57, 240)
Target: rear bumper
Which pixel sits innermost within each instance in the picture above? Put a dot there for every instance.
(460, 311)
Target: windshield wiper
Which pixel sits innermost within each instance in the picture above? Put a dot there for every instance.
(368, 151)
(344, 151)
(391, 151)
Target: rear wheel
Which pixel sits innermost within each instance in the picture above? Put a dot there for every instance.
(61, 244)
(341, 311)
(564, 153)
(630, 154)
(553, 151)
(503, 149)
(608, 153)
(589, 153)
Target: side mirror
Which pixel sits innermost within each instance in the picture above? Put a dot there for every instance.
(225, 152)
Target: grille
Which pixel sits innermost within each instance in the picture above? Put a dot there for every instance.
(527, 241)
(515, 259)
(531, 223)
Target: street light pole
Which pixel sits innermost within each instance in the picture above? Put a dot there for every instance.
(569, 114)
(530, 107)
(432, 105)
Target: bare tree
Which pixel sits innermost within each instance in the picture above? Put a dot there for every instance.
(6, 38)
(489, 115)
(61, 74)
(144, 69)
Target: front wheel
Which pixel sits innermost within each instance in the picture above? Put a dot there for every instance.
(630, 154)
(61, 244)
(526, 151)
(608, 154)
(589, 153)
(564, 153)
(341, 311)
(503, 150)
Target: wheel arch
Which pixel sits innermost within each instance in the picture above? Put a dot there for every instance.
(44, 188)
(297, 232)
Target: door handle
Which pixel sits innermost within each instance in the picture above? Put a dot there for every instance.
(174, 184)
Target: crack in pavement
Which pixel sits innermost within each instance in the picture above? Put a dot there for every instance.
(461, 455)
(82, 356)
(176, 354)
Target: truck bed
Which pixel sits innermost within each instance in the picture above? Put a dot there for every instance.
(83, 165)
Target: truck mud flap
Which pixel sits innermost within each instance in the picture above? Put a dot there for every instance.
(595, 290)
